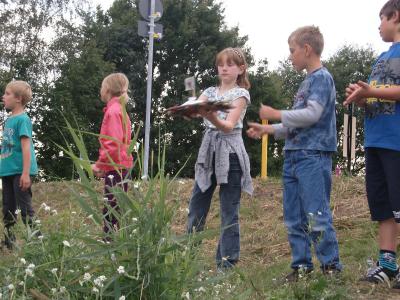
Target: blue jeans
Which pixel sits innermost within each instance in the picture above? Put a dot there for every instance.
(307, 215)
(229, 195)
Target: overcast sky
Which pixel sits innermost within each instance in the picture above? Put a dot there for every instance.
(269, 23)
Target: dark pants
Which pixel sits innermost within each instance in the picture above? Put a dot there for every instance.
(14, 198)
(229, 196)
(112, 179)
(382, 181)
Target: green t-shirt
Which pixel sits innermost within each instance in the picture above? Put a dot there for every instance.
(15, 128)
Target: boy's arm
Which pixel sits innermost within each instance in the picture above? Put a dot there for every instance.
(25, 180)
(364, 90)
(296, 118)
(280, 131)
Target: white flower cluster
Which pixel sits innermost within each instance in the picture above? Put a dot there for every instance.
(121, 270)
(66, 244)
(86, 278)
(99, 281)
(29, 270)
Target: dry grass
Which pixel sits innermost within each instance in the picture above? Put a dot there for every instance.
(265, 253)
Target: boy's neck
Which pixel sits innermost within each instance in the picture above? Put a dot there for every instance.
(313, 64)
(17, 111)
(396, 38)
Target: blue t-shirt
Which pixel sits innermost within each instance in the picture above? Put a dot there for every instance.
(317, 86)
(382, 117)
(11, 162)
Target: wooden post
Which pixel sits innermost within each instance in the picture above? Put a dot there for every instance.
(264, 153)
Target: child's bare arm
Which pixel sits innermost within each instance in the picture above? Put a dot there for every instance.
(231, 119)
(25, 180)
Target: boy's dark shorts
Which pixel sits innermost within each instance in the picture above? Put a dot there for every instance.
(383, 183)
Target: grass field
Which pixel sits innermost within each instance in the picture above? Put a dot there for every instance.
(265, 254)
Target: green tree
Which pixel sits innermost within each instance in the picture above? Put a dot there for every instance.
(265, 90)
(348, 65)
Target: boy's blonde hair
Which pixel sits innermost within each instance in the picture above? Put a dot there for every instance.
(21, 89)
(236, 56)
(308, 35)
(116, 84)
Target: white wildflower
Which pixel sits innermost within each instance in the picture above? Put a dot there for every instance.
(113, 258)
(10, 286)
(136, 185)
(53, 291)
(66, 244)
(37, 222)
(121, 298)
(63, 289)
(87, 277)
(29, 272)
(186, 295)
(73, 212)
(21, 283)
(54, 212)
(201, 289)
(47, 208)
(121, 270)
(99, 280)
(95, 290)
(319, 213)
(31, 266)
(18, 211)
(23, 261)
(310, 214)
(40, 237)
(134, 219)
(54, 271)
(111, 177)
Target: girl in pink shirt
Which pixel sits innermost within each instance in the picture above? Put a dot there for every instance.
(114, 160)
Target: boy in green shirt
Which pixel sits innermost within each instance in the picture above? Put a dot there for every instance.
(17, 161)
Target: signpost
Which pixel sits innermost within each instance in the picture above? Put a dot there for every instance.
(150, 10)
(349, 137)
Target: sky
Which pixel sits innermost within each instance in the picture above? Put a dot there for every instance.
(269, 23)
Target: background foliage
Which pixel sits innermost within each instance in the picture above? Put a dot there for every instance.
(64, 48)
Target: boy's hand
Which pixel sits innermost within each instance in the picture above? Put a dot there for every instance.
(256, 131)
(269, 113)
(96, 171)
(24, 182)
(357, 93)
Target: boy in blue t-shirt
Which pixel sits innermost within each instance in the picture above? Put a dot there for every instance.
(17, 161)
(310, 133)
(381, 100)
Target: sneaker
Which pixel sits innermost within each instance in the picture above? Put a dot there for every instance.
(396, 282)
(296, 274)
(330, 271)
(378, 274)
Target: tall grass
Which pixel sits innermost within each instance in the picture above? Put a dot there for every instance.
(145, 259)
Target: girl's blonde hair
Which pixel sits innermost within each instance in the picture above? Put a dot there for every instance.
(236, 56)
(21, 89)
(116, 84)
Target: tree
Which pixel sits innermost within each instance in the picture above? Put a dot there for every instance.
(348, 65)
